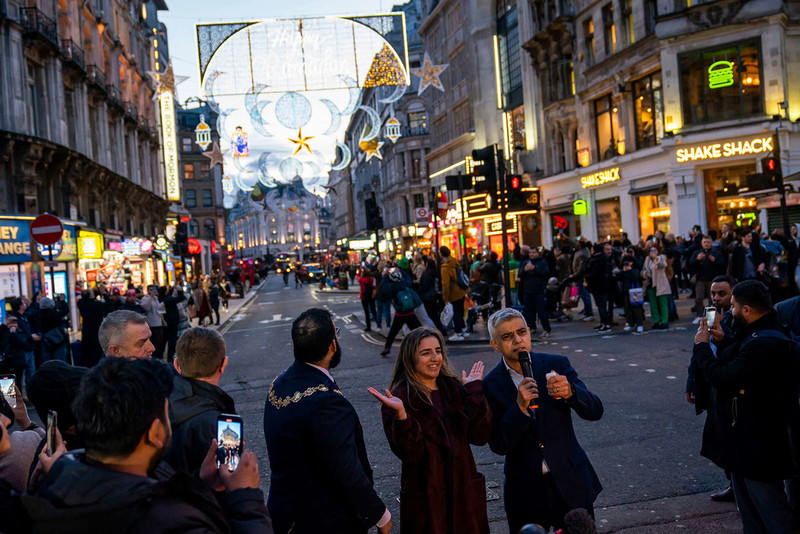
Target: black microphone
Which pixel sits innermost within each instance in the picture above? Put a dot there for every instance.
(527, 370)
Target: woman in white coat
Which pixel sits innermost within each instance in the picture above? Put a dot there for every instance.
(657, 288)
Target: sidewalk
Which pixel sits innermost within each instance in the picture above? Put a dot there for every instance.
(573, 329)
(234, 305)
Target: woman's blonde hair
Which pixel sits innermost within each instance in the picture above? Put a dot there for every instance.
(404, 375)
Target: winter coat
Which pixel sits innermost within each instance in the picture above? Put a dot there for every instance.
(12, 345)
(451, 292)
(78, 496)
(201, 303)
(705, 269)
(390, 288)
(193, 410)
(599, 273)
(91, 316)
(441, 490)
(173, 315)
(427, 285)
(753, 397)
(654, 274)
(367, 285)
(534, 281)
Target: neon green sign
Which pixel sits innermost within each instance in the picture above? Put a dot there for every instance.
(579, 207)
(720, 74)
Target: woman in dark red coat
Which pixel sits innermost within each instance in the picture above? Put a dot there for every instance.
(430, 417)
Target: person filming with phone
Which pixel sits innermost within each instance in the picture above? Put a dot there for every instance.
(532, 397)
(753, 398)
(119, 482)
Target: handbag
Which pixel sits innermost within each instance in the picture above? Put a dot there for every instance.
(636, 296)
(55, 338)
(447, 314)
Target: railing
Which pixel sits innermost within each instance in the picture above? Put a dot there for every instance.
(96, 77)
(34, 21)
(114, 95)
(415, 131)
(73, 53)
(130, 111)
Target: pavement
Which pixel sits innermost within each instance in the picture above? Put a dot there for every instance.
(645, 449)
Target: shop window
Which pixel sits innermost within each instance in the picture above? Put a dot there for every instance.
(566, 222)
(654, 214)
(509, 53)
(627, 20)
(609, 219)
(203, 171)
(606, 121)
(609, 31)
(588, 39)
(721, 84)
(649, 110)
(191, 198)
(188, 171)
(723, 202)
(209, 229)
(208, 200)
(650, 14)
(194, 228)
(419, 200)
(187, 144)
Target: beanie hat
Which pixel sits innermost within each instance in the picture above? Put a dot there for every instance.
(54, 387)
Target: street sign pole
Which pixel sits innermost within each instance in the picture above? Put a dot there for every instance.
(463, 240)
(502, 197)
(52, 275)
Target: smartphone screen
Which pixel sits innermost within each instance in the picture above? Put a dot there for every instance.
(711, 316)
(229, 440)
(7, 387)
(52, 422)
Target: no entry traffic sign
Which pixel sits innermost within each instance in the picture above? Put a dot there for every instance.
(46, 229)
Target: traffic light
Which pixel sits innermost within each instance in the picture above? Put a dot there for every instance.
(771, 168)
(514, 194)
(484, 170)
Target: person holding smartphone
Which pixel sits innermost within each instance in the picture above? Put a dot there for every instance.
(657, 287)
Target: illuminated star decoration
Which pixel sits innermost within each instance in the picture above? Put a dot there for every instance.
(215, 155)
(166, 81)
(301, 142)
(372, 148)
(429, 74)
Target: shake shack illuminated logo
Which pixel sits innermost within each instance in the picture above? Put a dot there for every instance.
(720, 74)
(724, 150)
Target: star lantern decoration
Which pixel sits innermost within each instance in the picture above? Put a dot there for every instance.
(429, 74)
(372, 148)
(215, 155)
(392, 129)
(301, 142)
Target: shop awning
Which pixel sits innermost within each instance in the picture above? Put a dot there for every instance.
(659, 189)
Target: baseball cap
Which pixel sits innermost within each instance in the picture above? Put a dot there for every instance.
(115, 291)
(130, 293)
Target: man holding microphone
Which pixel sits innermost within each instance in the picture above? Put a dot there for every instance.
(547, 472)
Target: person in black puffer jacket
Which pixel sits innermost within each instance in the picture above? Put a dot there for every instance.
(600, 282)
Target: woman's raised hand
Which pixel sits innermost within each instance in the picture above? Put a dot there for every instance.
(390, 401)
(475, 374)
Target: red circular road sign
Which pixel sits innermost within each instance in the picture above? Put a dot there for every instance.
(46, 229)
(441, 204)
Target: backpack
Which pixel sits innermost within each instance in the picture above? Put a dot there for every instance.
(462, 280)
(405, 301)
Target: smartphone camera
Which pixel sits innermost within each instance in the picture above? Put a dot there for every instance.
(52, 423)
(7, 388)
(711, 316)
(229, 440)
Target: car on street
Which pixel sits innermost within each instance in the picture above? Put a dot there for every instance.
(312, 272)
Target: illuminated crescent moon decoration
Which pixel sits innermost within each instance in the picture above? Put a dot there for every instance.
(336, 117)
(241, 184)
(223, 133)
(355, 95)
(346, 156)
(208, 89)
(398, 93)
(375, 124)
(255, 108)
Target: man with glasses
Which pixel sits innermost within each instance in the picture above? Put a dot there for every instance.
(315, 442)
(547, 472)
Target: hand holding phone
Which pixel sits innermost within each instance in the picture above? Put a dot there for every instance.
(52, 428)
(230, 443)
(7, 387)
(711, 315)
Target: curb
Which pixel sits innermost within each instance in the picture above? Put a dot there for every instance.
(245, 301)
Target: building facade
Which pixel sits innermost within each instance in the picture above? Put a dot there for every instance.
(669, 108)
(78, 131)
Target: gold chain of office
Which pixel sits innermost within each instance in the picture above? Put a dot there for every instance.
(283, 402)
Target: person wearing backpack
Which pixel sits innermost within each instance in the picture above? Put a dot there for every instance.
(754, 381)
(396, 286)
(455, 285)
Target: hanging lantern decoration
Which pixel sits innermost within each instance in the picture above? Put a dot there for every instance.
(227, 184)
(202, 133)
(392, 129)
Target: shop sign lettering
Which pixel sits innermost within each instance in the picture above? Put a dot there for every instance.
(15, 241)
(600, 178)
(724, 150)
(170, 145)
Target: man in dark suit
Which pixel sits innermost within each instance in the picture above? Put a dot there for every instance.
(316, 444)
(547, 472)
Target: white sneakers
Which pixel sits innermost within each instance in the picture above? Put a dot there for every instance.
(640, 328)
(455, 337)
(627, 328)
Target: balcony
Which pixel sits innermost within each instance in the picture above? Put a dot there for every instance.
(114, 96)
(415, 131)
(39, 25)
(73, 54)
(97, 78)
(131, 113)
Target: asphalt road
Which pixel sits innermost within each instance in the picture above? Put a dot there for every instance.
(645, 449)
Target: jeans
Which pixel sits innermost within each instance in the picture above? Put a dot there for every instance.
(369, 311)
(763, 506)
(397, 324)
(30, 365)
(584, 295)
(458, 315)
(535, 305)
(659, 306)
(384, 311)
(605, 306)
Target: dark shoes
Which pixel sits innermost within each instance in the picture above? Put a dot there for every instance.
(368, 330)
(385, 353)
(725, 495)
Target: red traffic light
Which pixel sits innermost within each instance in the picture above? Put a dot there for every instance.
(515, 182)
(771, 164)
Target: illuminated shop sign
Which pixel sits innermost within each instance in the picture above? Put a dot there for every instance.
(90, 246)
(600, 178)
(724, 150)
(15, 241)
(495, 226)
(579, 207)
(361, 244)
(170, 145)
(720, 74)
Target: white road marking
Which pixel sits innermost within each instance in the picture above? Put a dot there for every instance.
(612, 359)
(671, 377)
(370, 339)
(609, 337)
(651, 370)
(633, 365)
(275, 318)
(593, 354)
(578, 350)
